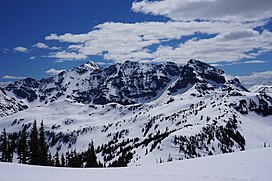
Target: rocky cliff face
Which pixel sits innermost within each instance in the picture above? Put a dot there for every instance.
(126, 83)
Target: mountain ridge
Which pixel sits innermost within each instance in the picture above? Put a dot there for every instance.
(127, 83)
(153, 111)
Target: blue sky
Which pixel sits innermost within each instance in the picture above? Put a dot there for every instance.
(38, 39)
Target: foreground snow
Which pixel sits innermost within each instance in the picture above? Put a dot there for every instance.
(248, 165)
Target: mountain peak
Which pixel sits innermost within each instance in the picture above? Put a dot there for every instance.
(201, 65)
(204, 70)
(92, 65)
(194, 61)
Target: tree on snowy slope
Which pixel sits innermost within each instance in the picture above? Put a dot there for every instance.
(22, 147)
(91, 157)
(74, 159)
(63, 162)
(43, 146)
(38, 147)
(57, 160)
(4, 146)
(12, 146)
(34, 145)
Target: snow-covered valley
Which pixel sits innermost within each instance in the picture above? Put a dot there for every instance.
(243, 166)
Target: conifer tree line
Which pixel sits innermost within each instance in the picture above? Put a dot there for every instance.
(32, 148)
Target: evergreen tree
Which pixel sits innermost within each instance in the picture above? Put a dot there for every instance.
(13, 146)
(68, 159)
(76, 160)
(43, 146)
(22, 147)
(50, 160)
(57, 161)
(169, 158)
(4, 146)
(62, 160)
(34, 146)
(91, 157)
(9, 152)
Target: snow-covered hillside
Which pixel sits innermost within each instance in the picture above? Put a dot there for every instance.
(157, 113)
(247, 165)
(261, 89)
(10, 105)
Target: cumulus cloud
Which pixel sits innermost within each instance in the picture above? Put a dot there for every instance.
(122, 41)
(54, 71)
(41, 45)
(32, 58)
(21, 49)
(184, 10)
(64, 55)
(217, 49)
(257, 78)
(11, 77)
(44, 46)
(227, 35)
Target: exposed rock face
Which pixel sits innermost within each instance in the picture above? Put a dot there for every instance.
(126, 83)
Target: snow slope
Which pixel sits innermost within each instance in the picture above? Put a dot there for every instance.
(262, 89)
(243, 166)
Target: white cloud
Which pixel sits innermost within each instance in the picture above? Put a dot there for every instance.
(255, 61)
(32, 58)
(5, 50)
(257, 78)
(4, 84)
(55, 48)
(243, 62)
(231, 25)
(54, 71)
(41, 45)
(217, 49)
(184, 10)
(68, 37)
(103, 63)
(64, 55)
(44, 46)
(11, 77)
(21, 49)
(123, 41)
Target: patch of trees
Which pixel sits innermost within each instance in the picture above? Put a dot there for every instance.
(32, 148)
(264, 107)
(228, 138)
(120, 151)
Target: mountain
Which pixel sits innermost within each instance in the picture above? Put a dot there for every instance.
(126, 83)
(8, 105)
(150, 112)
(261, 89)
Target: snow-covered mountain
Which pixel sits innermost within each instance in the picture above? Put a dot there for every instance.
(10, 105)
(261, 89)
(126, 83)
(154, 112)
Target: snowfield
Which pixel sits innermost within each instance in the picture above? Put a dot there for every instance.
(243, 166)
